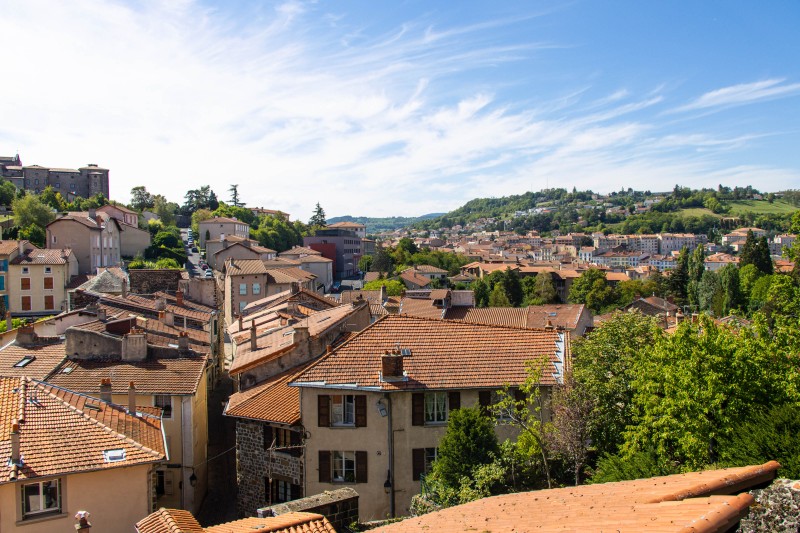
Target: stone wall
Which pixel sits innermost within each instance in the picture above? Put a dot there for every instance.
(148, 281)
(339, 506)
(80, 299)
(254, 464)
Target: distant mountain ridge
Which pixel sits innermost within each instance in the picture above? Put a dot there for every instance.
(376, 225)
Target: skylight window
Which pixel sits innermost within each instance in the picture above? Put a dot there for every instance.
(114, 456)
(25, 361)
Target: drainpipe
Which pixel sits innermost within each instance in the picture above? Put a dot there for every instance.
(390, 441)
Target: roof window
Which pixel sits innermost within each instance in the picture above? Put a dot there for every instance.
(25, 361)
(114, 456)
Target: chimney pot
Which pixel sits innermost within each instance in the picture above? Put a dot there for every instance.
(124, 292)
(183, 341)
(105, 390)
(179, 298)
(253, 339)
(15, 452)
(132, 398)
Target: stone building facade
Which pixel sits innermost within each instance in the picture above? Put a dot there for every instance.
(268, 470)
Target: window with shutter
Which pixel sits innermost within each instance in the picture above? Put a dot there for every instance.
(418, 409)
(484, 400)
(26, 303)
(323, 410)
(49, 303)
(25, 284)
(417, 463)
(324, 466)
(361, 411)
(361, 467)
(454, 400)
(48, 283)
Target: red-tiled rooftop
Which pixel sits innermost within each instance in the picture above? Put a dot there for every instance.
(699, 501)
(535, 316)
(444, 354)
(42, 359)
(64, 432)
(178, 521)
(272, 400)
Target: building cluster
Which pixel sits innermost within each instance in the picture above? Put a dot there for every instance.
(84, 182)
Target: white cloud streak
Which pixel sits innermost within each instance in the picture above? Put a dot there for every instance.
(744, 93)
(298, 106)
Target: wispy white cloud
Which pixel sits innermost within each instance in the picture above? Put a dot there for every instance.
(743, 93)
(297, 106)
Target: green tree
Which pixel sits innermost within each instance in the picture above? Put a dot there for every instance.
(512, 287)
(7, 192)
(141, 199)
(318, 218)
(481, 290)
(166, 238)
(34, 233)
(382, 262)
(29, 210)
(696, 269)
(539, 289)
(498, 297)
(731, 290)
(756, 252)
(234, 190)
(197, 217)
(679, 278)
(709, 293)
(165, 210)
(748, 275)
(468, 443)
(393, 286)
(581, 287)
(53, 199)
(365, 263)
(604, 366)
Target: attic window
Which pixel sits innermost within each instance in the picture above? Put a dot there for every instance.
(405, 352)
(25, 361)
(552, 314)
(114, 456)
(66, 370)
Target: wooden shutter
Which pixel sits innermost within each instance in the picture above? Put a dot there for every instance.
(453, 400)
(361, 411)
(267, 436)
(418, 409)
(323, 410)
(484, 399)
(324, 466)
(296, 439)
(48, 283)
(361, 467)
(26, 303)
(25, 284)
(49, 303)
(417, 463)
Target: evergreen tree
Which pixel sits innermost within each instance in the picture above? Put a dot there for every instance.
(696, 269)
(468, 443)
(732, 295)
(762, 258)
(679, 278)
(234, 190)
(748, 251)
(512, 287)
(318, 218)
(498, 297)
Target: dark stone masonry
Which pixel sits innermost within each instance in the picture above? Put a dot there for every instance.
(339, 506)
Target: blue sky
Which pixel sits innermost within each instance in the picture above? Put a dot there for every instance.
(404, 108)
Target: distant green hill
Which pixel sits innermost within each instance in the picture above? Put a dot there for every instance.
(376, 225)
(740, 207)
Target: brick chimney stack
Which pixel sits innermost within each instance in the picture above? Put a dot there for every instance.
(179, 298)
(124, 292)
(15, 452)
(105, 389)
(183, 341)
(253, 338)
(391, 365)
(132, 398)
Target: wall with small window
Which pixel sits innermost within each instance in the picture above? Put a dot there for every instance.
(50, 503)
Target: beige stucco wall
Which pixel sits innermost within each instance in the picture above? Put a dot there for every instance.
(61, 275)
(133, 241)
(373, 502)
(217, 229)
(81, 239)
(116, 498)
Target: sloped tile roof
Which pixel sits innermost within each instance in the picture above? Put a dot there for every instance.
(290, 275)
(300, 250)
(272, 400)
(421, 307)
(535, 316)
(444, 354)
(64, 432)
(47, 256)
(46, 358)
(245, 267)
(8, 246)
(430, 269)
(147, 306)
(678, 503)
(221, 220)
(414, 278)
(169, 521)
(296, 522)
(179, 376)
(279, 341)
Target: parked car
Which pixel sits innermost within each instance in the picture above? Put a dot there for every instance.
(208, 274)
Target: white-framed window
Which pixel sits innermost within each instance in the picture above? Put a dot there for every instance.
(25, 270)
(435, 407)
(48, 270)
(54, 239)
(256, 288)
(164, 402)
(343, 410)
(430, 456)
(41, 497)
(344, 466)
(243, 289)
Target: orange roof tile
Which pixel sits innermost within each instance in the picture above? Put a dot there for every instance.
(414, 278)
(179, 376)
(678, 503)
(534, 316)
(64, 432)
(296, 522)
(444, 354)
(169, 521)
(44, 359)
(272, 400)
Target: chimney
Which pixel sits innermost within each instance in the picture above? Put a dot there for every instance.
(169, 318)
(161, 304)
(134, 345)
(9, 322)
(83, 525)
(383, 294)
(15, 453)
(295, 287)
(92, 213)
(101, 315)
(549, 325)
(253, 338)
(329, 348)
(301, 335)
(124, 292)
(391, 365)
(105, 390)
(179, 298)
(240, 323)
(183, 341)
(21, 247)
(132, 398)
(26, 335)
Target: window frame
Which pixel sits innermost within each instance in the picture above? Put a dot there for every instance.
(59, 499)
(242, 289)
(256, 288)
(346, 406)
(343, 457)
(166, 408)
(436, 408)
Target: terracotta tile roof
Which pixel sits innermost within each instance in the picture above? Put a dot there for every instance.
(231, 239)
(221, 220)
(314, 259)
(535, 316)
(300, 250)
(272, 400)
(290, 275)
(63, 432)
(8, 246)
(187, 304)
(345, 225)
(421, 307)
(444, 354)
(296, 522)
(147, 307)
(415, 279)
(79, 280)
(347, 297)
(45, 359)
(281, 262)
(429, 269)
(679, 503)
(48, 256)
(169, 521)
(179, 376)
(245, 267)
(282, 340)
